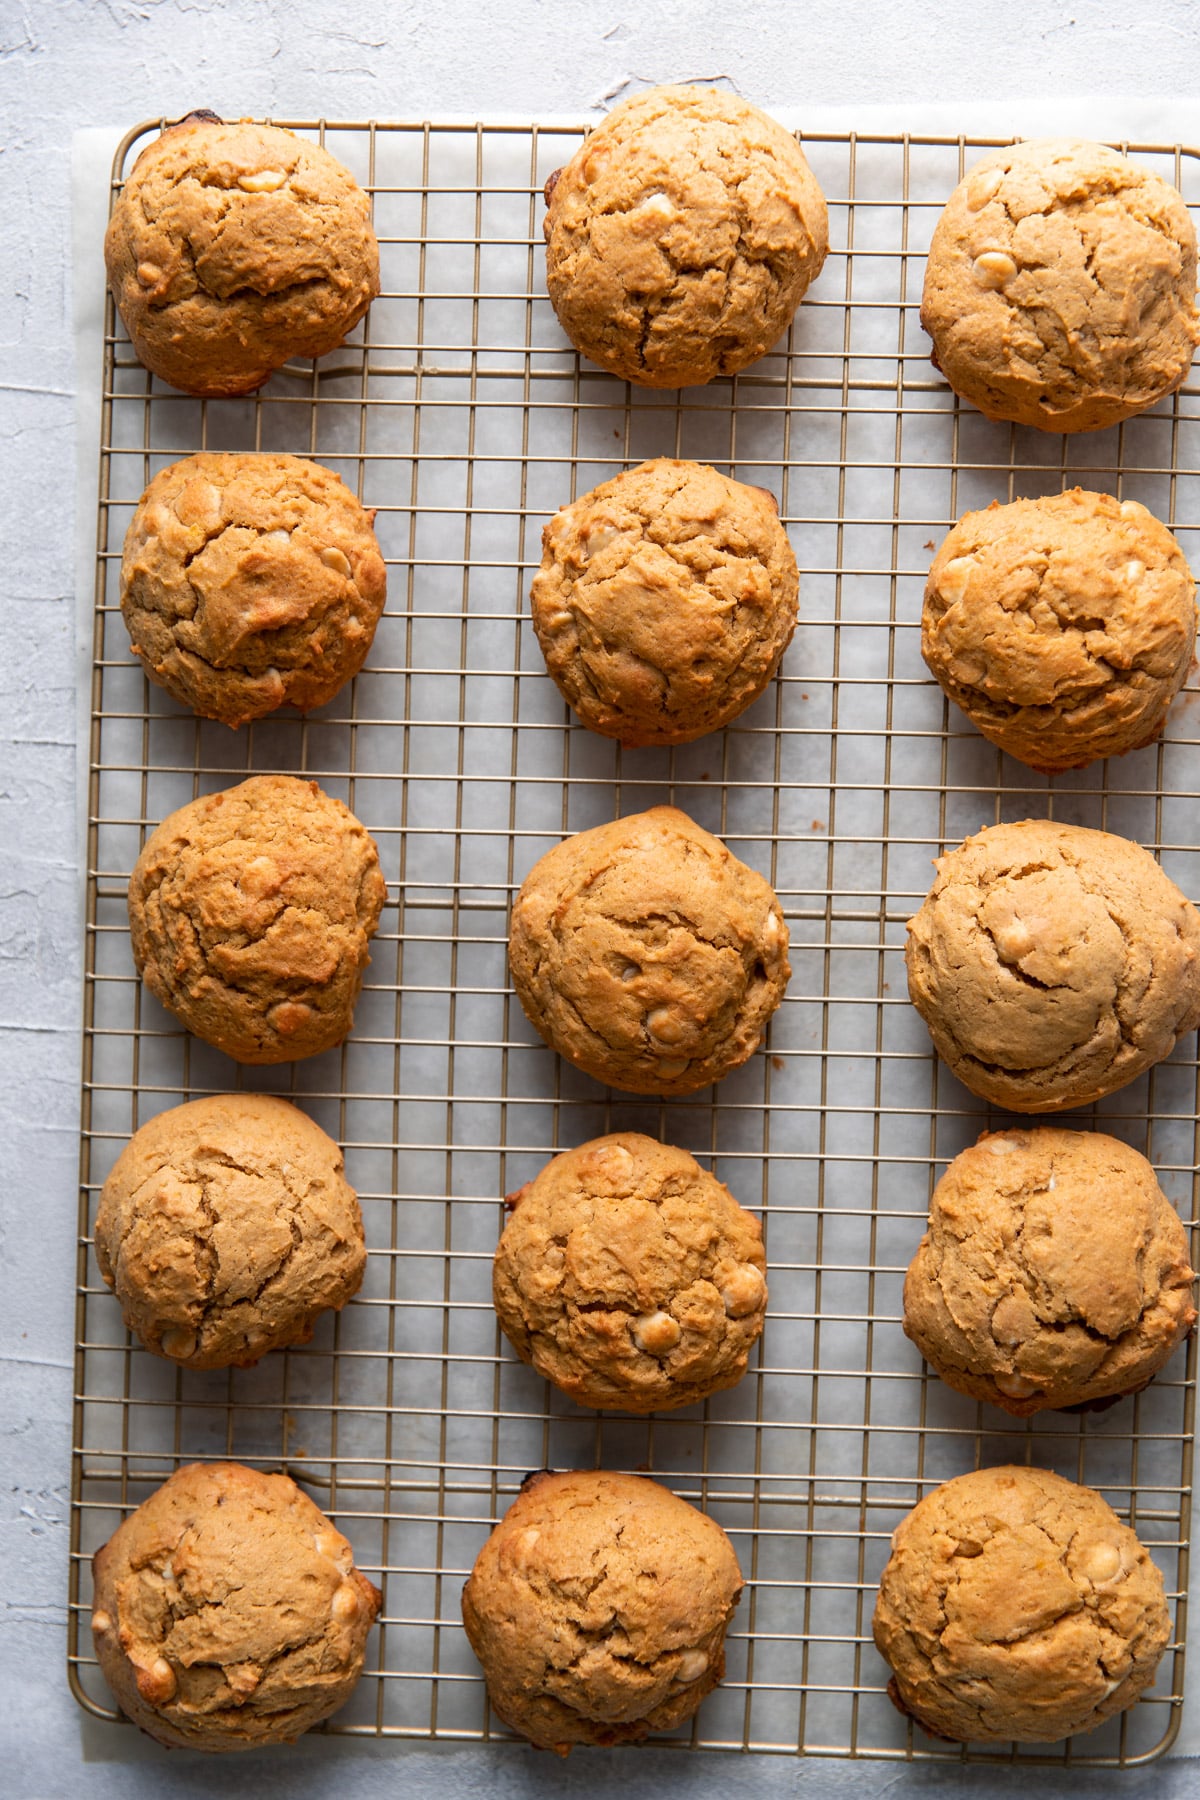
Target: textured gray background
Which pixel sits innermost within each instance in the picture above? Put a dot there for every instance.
(65, 64)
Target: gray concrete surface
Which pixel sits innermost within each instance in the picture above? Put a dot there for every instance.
(65, 64)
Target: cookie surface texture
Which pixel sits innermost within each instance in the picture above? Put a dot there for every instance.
(665, 600)
(250, 582)
(647, 954)
(1054, 1271)
(1064, 627)
(630, 1277)
(227, 1611)
(232, 248)
(1053, 964)
(1060, 290)
(1016, 1606)
(250, 913)
(682, 236)
(598, 1609)
(226, 1227)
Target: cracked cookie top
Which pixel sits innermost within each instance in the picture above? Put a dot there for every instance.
(598, 1609)
(1060, 290)
(1064, 627)
(250, 582)
(665, 600)
(232, 248)
(1054, 1271)
(648, 955)
(682, 236)
(227, 1611)
(226, 1227)
(1016, 1606)
(250, 912)
(630, 1277)
(1053, 964)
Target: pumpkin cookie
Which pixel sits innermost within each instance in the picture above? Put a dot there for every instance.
(1060, 289)
(682, 236)
(1054, 1271)
(1017, 1607)
(648, 955)
(249, 583)
(630, 1277)
(250, 912)
(1063, 627)
(227, 1611)
(232, 248)
(226, 1228)
(1053, 964)
(598, 1608)
(665, 600)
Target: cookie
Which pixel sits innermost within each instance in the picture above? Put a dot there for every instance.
(647, 955)
(1016, 1606)
(250, 912)
(1054, 1271)
(598, 1609)
(227, 1611)
(1060, 290)
(682, 236)
(1053, 964)
(630, 1277)
(226, 1228)
(249, 583)
(1064, 627)
(665, 599)
(232, 248)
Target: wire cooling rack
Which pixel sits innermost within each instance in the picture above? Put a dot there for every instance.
(458, 411)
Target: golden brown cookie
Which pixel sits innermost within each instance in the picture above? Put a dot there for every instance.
(630, 1277)
(250, 912)
(1053, 964)
(664, 602)
(598, 1609)
(232, 248)
(1063, 627)
(226, 1227)
(1060, 289)
(1054, 1271)
(682, 236)
(227, 1611)
(250, 582)
(648, 955)
(1017, 1606)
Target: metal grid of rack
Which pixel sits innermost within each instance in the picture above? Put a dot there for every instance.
(459, 412)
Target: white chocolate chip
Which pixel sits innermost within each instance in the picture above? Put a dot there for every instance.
(657, 203)
(265, 181)
(1016, 1386)
(993, 268)
(345, 1602)
(1101, 1562)
(149, 274)
(1002, 1145)
(559, 621)
(676, 1066)
(1132, 509)
(336, 559)
(101, 1622)
(954, 579)
(554, 1256)
(743, 1290)
(276, 537)
(772, 930)
(664, 1025)
(630, 971)
(1133, 570)
(983, 187)
(333, 1545)
(692, 1665)
(523, 1546)
(656, 1333)
(1110, 1688)
(156, 1682)
(598, 537)
(178, 1343)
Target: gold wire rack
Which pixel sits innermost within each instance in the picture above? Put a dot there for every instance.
(458, 410)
